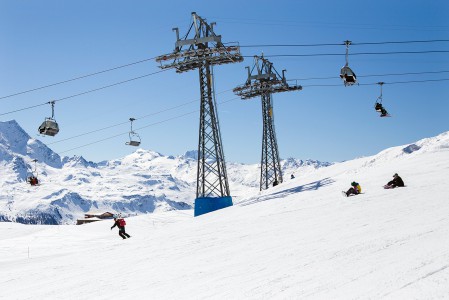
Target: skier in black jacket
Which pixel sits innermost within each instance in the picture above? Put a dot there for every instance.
(120, 223)
(396, 182)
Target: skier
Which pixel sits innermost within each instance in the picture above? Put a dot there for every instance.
(292, 176)
(354, 190)
(396, 182)
(120, 223)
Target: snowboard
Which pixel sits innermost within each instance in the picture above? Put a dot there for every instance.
(344, 194)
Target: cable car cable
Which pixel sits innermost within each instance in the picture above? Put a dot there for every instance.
(87, 92)
(340, 44)
(152, 124)
(139, 118)
(359, 53)
(394, 82)
(374, 75)
(241, 46)
(76, 78)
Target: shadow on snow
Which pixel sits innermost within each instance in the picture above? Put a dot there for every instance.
(313, 186)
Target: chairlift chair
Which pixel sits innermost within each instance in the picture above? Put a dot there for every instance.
(32, 176)
(346, 74)
(49, 126)
(378, 105)
(134, 138)
(33, 180)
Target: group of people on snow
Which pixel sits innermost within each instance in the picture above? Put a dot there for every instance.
(356, 189)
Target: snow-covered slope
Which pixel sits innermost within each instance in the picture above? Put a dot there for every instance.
(142, 182)
(298, 240)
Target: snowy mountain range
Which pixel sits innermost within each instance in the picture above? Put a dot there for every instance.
(142, 182)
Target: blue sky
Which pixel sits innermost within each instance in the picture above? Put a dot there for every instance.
(46, 42)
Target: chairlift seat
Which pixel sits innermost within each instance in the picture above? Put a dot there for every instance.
(134, 139)
(348, 76)
(133, 143)
(49, 127)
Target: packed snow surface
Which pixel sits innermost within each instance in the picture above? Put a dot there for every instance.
(299, 240)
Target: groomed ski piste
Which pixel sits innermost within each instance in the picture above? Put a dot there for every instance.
(298, 240)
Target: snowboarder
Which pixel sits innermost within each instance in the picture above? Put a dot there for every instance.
(355, 189)
(120, 223)
(292, 176)
(396, 182)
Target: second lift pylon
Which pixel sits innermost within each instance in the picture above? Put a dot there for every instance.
(263, 80)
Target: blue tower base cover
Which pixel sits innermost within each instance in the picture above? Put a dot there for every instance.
(204, 205)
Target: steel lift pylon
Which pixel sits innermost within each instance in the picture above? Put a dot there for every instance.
(202, 49)
(263, 80)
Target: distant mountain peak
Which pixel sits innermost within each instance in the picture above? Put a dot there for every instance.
(192, 154)
(77, 160)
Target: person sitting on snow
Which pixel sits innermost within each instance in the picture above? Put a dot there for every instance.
(396, 182)
(355, 189)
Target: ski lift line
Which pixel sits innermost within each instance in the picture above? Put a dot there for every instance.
(340, 44)
(358, 53)
(293, 23)
(142, 117)
(241, 46)
(76, 78)
(111, 85)
(87, 92)
(373, 75)
(119, 124)
(389, 83)
(416, 81)
(22, 109)
(146, 126)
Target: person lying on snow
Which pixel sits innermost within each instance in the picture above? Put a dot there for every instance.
(355, 189)
(396, 182)
(120, 223)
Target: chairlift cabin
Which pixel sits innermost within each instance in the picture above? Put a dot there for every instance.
(134, 138)
(49, 126)
(346, 74)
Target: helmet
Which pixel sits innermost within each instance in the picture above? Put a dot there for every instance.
(395, 175)
(353, 183)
